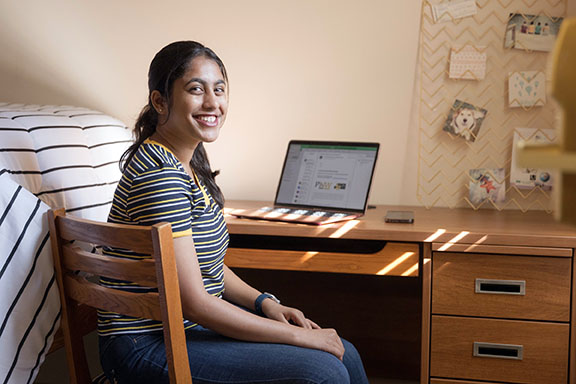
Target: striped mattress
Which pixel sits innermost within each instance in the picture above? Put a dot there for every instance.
(50, 157)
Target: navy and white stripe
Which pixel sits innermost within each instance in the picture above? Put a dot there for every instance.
(50, 156)
(66, 156)
(156, 188)
(29, 304)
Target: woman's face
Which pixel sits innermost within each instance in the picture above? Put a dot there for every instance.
(199, 104)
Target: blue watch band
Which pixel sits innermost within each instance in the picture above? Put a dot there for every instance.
(260, 299)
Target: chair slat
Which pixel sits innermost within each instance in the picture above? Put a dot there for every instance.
(113, 300)
(142, 272)
(136, 238)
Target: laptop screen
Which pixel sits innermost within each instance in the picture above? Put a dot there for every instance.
(319, 174)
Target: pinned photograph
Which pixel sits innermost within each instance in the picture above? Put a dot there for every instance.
(528, 178)
(465, 120)
(453, 10)
(487, 184)
(468, 62)
(526, 89)
(532, 32)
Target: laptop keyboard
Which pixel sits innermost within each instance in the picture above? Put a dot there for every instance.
(304, 212)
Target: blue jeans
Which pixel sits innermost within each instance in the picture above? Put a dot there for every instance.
(217, 359)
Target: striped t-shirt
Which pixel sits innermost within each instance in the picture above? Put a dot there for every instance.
(155, 188)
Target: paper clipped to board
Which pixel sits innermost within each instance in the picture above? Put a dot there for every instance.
(453, 10)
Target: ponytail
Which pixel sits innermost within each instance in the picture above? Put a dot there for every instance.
(144, 128)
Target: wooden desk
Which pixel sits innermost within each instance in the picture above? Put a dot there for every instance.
(500, 282)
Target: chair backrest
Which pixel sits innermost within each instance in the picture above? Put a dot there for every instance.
(78, 293)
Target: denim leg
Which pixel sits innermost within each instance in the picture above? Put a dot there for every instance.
(353, 363)
(138, 359)
(217, 359)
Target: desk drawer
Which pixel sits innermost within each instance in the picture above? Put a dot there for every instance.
(516, 287)
(389, 259)
(507, 351)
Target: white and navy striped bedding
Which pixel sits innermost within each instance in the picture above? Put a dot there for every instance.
(29, 301)
(66, 156)
(50, 156)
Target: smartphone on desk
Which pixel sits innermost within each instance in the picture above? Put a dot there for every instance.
(399, 217)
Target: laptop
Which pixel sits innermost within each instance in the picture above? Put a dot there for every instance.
(321, 182)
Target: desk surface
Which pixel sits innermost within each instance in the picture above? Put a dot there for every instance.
(438, 225)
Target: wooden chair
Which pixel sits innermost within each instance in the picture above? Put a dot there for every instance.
(80, 297)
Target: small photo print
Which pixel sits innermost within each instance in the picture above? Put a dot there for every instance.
(528, 178)
(453, 10)
(465, 120)
(487, 184)
(532, 32)
(526, 89)
(468, 62)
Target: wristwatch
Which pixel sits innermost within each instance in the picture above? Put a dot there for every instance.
(260, 299)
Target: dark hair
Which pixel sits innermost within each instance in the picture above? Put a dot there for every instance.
(168, 65)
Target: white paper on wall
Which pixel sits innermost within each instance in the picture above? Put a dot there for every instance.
(453, 10)
(526, 89)
(468, 62)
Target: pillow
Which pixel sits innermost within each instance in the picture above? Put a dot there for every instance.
(17, 154)
(29, 303)
(67, 156)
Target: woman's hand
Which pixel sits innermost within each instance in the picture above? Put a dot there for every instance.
(288, 315)
(326, 340)
(310, 335)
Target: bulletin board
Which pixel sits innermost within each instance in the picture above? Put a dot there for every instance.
(464, 165)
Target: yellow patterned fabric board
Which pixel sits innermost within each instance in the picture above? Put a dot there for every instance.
(449, 149)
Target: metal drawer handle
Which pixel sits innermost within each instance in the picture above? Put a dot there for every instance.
(499, 351)
(501, 287)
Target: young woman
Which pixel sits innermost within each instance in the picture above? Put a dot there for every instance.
(235, 334)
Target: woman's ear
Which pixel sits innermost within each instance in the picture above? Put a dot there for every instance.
(158, 102)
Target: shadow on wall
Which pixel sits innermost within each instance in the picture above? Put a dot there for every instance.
(29, 77)
(19, 88)
(40, 64)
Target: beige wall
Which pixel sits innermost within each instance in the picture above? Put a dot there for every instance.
(306, 69)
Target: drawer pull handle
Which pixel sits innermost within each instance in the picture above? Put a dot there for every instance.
(499, 351)
(501, 287)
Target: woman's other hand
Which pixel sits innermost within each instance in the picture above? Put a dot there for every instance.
(326, 340)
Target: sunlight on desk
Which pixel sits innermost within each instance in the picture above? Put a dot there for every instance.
(344, 229)
(395, 263)
(453, 240)
(476, 244)
(307, 256)
(410, 270)
(435, 235)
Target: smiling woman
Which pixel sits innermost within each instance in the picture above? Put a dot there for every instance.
(234, 333)
(168, 101)
(197, 109)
